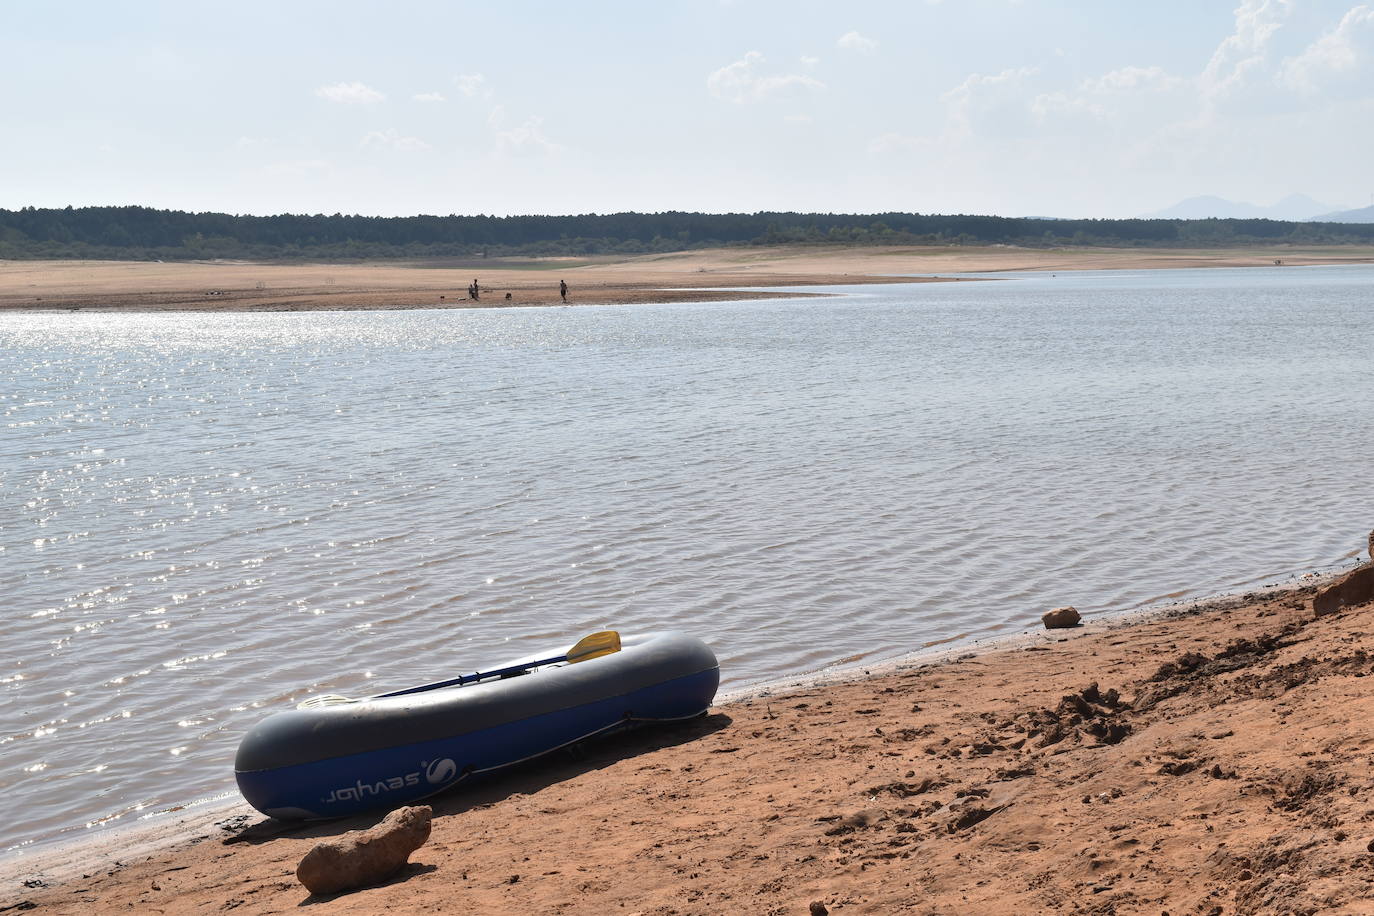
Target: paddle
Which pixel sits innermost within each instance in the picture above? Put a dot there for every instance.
(587, 648)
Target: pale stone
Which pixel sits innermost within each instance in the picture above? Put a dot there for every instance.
(363, 857)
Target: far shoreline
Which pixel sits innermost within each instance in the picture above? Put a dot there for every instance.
(707, 275)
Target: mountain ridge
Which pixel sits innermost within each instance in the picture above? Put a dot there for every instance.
(1357, 215)
(1293, 208)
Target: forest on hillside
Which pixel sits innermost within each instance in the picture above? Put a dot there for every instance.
(143, 233)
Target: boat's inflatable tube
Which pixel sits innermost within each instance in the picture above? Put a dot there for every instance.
(337, 760)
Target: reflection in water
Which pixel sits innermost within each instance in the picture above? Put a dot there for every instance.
(203, 516)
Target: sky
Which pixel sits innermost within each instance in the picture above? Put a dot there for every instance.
(1074, 108)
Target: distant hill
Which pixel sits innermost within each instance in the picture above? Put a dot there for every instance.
(1362, 215)
(1294, 207)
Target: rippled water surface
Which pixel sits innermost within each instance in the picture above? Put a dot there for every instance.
(205, 516)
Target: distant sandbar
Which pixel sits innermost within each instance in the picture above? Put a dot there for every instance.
(689, 276)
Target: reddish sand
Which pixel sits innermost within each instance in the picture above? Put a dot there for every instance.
(1228, 773)
(1220, 765)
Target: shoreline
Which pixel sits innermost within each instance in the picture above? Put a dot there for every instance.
(708, 275)
(945, 651)
(992, 673)
(168, 827)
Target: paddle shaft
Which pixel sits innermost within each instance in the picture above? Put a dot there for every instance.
(476, 676)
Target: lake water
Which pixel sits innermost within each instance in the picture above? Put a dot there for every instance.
(203, 517)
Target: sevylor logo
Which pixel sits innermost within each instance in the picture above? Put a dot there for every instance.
(436, 772)
(441, 771)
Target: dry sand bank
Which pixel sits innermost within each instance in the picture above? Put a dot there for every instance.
(679, 277)
(1221, 764)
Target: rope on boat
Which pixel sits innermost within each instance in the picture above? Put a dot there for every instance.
(625, 720)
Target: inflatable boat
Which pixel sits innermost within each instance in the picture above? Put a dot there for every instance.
(332, 756)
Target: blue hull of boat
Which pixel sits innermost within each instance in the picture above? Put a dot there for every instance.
(342, 784)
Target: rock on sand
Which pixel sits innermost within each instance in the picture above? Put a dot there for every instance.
(1354, 588)
(1061, 618)
(363, 857)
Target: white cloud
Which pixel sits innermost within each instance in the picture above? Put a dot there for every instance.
(1129, 92)
(1134, 79)
(1342, 56)
(1000, 100)
(809, 61)
(391, 139)
(1050, 105)
(354, 93)
(473, 85)
(740, 82)
(429, 97)
(1008, 114)
(1243, 55)
(853, 41)
(1236, 119)
(525, 139)
(997, 107)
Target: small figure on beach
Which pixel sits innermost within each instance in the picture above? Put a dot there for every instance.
(473, 290)
(563, 289)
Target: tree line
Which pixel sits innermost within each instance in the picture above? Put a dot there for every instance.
(134, 233)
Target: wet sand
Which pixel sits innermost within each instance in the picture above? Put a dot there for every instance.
(692, 276)
(1212, 758)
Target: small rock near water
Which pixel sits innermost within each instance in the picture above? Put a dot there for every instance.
(363, 857)
(1061, 618)
(819, 909)
(1354, 588)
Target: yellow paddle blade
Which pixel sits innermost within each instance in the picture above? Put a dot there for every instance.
(594, 646)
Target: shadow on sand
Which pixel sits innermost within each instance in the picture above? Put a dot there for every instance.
(523, 779)
(410, 870)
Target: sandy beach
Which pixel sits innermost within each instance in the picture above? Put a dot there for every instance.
(1210, 758)
(691, 276)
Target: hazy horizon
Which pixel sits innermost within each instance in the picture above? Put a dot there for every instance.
(1005, 107)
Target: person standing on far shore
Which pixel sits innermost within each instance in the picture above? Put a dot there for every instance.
(563, 289)
(475, 289)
